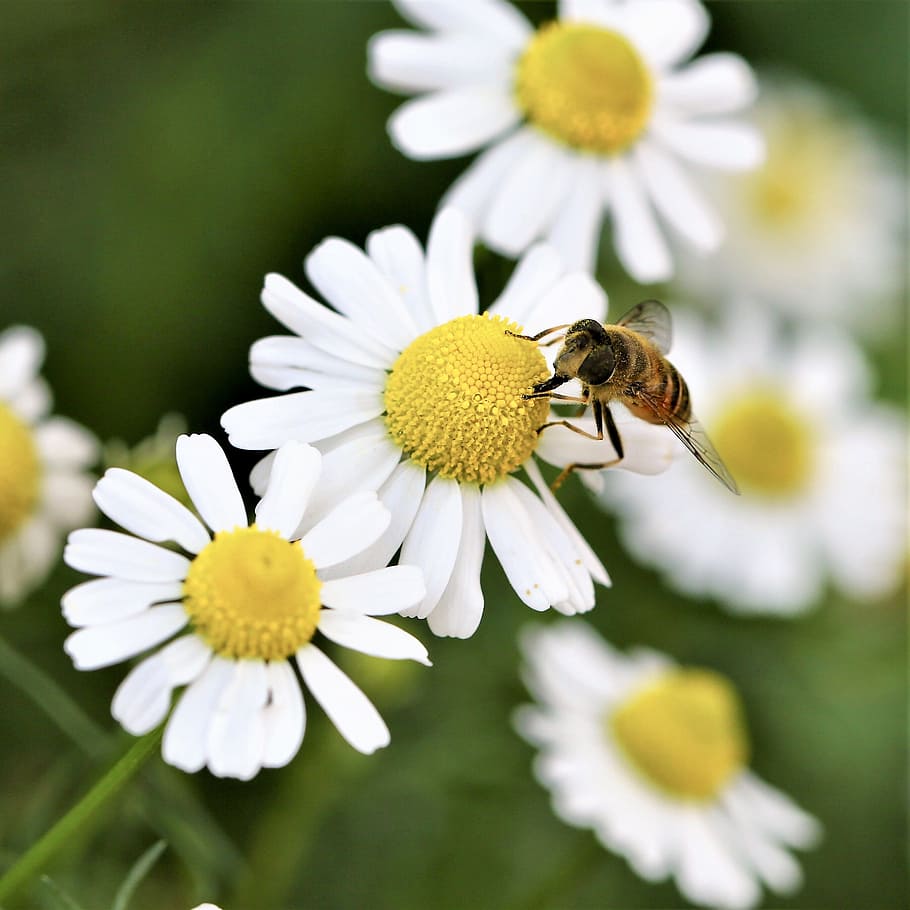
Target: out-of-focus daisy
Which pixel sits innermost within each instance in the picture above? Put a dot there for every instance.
(821, 467)
(44, 488)
(253, 596)
(415, 394)
(653, 758)
(597, 112)
(820, 228)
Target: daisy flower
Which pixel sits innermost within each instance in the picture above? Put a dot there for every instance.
(597, 112)
(253, 596)
(821, 467)
(819, 230)
(415, 394)
(44, 488)
(653, 758)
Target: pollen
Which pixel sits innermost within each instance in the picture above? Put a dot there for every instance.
(454, 399)
(585, 86)
(20, 473)
(683, 733)
(766, 444)
(252, 594)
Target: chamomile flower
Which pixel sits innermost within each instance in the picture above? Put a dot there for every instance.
(253, 597)
(415, 394)
(45, 489)
(821, 467)
(653, 758)
(596, 113)
(819, 230)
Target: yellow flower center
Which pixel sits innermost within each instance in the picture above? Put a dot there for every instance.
(683, 733)
(20, 472)
(252, 594)
(765, 443)
(585, 86)
(454, 399)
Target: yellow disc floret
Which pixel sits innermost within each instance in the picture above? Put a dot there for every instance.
(252, 594)
(20, 472)
(454, 399)
(584, 85)
(683, 733)
(765, 442)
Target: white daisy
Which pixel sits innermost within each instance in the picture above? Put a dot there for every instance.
(254, 597)
(653, 758)
(415, 394)
(596, 112)
(820, 228)
(44, 488)
(822, 469)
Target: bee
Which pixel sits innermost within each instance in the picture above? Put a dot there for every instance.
(625, 362)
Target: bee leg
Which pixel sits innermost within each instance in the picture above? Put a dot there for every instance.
(602, 414)
(570, 426)
(558, 397)
(584, 466)
(539, 335)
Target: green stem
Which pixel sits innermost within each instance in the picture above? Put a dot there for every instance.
(33, 861)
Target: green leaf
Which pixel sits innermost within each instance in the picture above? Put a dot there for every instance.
(138, 872)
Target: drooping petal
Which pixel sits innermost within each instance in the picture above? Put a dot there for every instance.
(294, 474)
(236, 734)
(371, 636)
(140, 507)
(347, 530)
(377, 593)
(346, 706)
(208, 479)
(284, 717)
(100, 552)
(93, 647)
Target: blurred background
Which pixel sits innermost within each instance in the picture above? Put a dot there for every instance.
(156, 160)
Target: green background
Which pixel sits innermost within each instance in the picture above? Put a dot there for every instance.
(156, 160)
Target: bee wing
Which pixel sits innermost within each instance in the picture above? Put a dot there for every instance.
(651, 319)
(693, 436)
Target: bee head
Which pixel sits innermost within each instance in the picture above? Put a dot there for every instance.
(586, 353)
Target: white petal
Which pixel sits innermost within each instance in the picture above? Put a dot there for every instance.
(351, 283)
(528, 567)
(106, 600)
(33, 402)
(575, 230)
(474, 190)
(141, 508)
(774, 812)
(371, 636)
(259, 475)
(406, 61)
(452, 122)
(236, 734)
(432, 542)
(527, 198)
(399, 256)
(185, 736)
(575, 296)
(460, 608)
(67, 498)
(725, 145)
(21, 356)
(713, 84)
(664, 31)
(450, 266)
(495, 18)
(143, 699)
(362, 463)
(347, 530)
(677, 199)
(294, 474)
(100, 646)
(401, 495)
(377, 593)
(328, 331)
(100, 552)
(284, 717)
(639, 244)
(589, 557)
(535, 272)
(63, 442)
(210, 482)
(266, 423)
(347, 707)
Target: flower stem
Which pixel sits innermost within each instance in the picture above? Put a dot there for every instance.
(33, 861)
